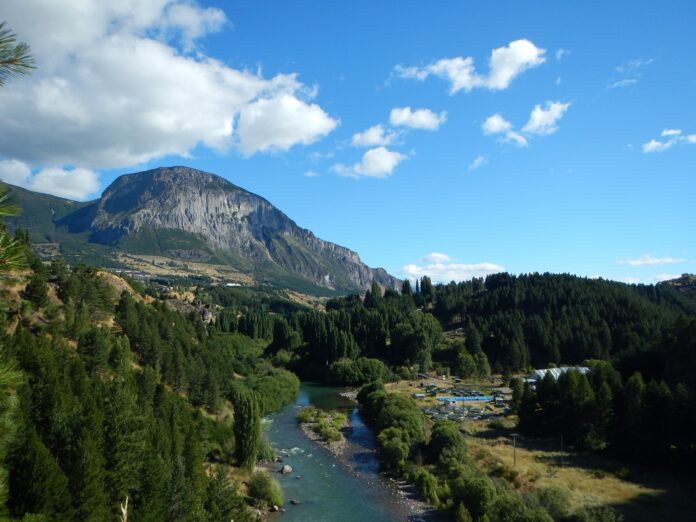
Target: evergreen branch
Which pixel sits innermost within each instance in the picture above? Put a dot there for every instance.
(15, 58)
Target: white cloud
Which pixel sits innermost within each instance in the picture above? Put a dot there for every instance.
(444, 269)
(77, 183)
(671, 132)
(279, 122)
(379, 162)
(508, 62)
(496, 124)
(436, 257)
(648, 260)
(657, 146)
(14, 172)
(651, 280)
(192, 21)
(631, 72)
(478, 161)
(560, 53)
(416, 119)
(516, 138)
(542, 121)
(374, 136)
(311, 174)
(673, 137)
(122, 83)
(621, 83)
(632, 65)
(505, 63)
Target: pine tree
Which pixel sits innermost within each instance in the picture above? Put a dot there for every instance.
(88, 477)
(37, 484)
(406, 288)
(222, 501)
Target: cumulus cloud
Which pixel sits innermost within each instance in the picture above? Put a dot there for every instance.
(442, 268)
(542, 121)
(496, 124)
(648, 260)
(658, 146)
(435, 257)
(311, 174)
(671, 137)
(279, 122)
(372, 137)
(77, 183)
(505, 64)
(122, 83)
(14, 172)
(416, 119)
(477, 162)
(379, 162)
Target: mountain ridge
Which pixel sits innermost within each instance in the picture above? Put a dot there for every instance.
(185, 213)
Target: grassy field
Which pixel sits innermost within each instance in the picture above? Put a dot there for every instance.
(641, 494)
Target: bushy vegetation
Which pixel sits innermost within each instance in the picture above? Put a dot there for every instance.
(328, 424)
(264, 490)
(438, 464)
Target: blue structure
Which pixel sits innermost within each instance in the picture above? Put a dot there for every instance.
(478, 398)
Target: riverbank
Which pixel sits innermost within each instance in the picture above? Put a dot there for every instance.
(357, 446)
(336, 448)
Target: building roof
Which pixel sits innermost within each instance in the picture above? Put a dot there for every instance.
(538, 375)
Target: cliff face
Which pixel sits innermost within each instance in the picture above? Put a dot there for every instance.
(226, 218)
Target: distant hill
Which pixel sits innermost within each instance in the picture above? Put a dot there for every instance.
(685, 285)
(191, 218)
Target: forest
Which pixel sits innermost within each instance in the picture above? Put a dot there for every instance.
(112, 401)
(112, 396)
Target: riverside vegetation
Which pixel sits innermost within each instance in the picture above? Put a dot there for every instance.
(114, 405)
(327, 424)
(120, 396)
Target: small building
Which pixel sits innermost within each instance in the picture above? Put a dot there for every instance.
(419, 395)
(538, 375)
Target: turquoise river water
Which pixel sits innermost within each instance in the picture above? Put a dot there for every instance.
(331, 489)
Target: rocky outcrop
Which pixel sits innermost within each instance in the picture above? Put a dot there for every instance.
(224, 217)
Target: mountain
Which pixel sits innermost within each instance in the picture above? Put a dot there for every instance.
(191, 216)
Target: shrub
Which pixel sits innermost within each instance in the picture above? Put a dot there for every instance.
(264, 490)
(427, 485)
(266, 452)
(392, 447)
(555, 501)
(307, 414)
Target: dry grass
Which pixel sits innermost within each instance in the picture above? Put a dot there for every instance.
(643, 495)
(165, 266)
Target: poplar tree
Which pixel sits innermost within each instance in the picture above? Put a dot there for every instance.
(247, 427)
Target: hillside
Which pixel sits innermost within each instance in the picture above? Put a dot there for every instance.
(189, 216)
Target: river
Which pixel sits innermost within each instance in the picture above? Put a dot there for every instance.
(330, 490)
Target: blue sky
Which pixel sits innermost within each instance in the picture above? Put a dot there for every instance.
(598, 180)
